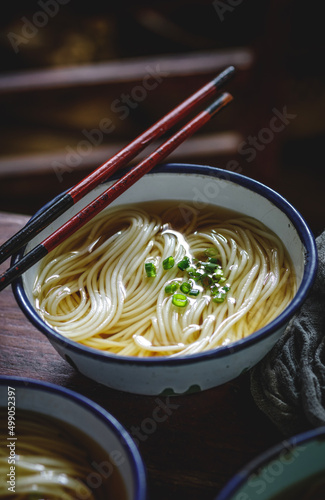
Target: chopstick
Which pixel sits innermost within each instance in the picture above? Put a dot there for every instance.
(103, 172)
(110, 194)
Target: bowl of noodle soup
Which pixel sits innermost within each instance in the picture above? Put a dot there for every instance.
(60, 444)
(183, 283)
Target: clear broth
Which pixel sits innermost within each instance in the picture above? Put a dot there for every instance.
(104, 480)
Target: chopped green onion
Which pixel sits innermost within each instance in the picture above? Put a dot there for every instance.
(215, 290)
(217, 275)
(208, 273)
(184, 263)
(211, 252)
(220, 297)
(185, 287)
(210, 267)
(196, 274)
(179, 300)
(150, 269)
(168, 263)
(171, 288)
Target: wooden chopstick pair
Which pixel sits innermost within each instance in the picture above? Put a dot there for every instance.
(102, 173)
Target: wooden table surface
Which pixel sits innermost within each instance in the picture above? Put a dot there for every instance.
(206, 439)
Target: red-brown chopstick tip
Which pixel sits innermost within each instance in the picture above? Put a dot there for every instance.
(224, 76)
(219, 103)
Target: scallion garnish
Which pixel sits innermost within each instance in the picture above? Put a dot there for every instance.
(179, 300)
(184, 263)
(171, 287)
(196, 274)
(217, 275)
(168, 263)
(208, 274)
(150, 269)
(210, 267)
(185, 287)
(220, 297)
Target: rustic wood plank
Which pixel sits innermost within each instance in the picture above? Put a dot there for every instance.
(118, 71)
(201, 146)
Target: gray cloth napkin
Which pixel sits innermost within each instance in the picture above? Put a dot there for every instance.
(288, 385)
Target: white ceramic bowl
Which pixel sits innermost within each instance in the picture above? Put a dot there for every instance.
(84, 415)
(287, 471)
(153, 376)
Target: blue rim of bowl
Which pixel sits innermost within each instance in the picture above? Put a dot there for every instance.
(265, 458)
(293, 215)
(136, 462)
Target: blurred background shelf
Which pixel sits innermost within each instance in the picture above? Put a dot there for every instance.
(68, 71)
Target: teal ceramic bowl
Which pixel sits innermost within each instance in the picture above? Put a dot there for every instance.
(292, 470)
